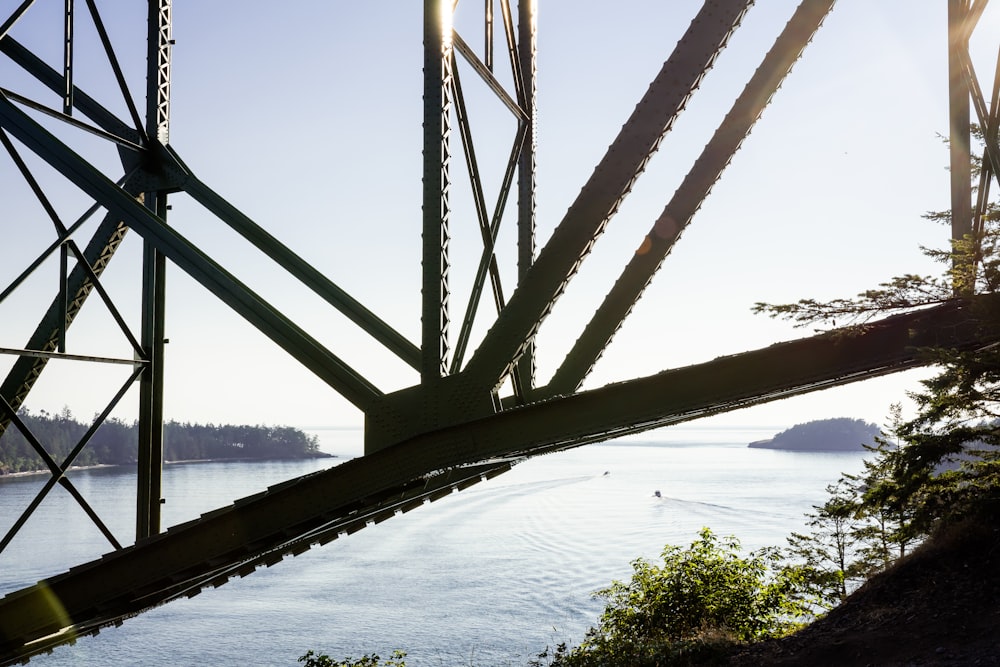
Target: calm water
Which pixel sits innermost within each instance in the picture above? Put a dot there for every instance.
(488, 576)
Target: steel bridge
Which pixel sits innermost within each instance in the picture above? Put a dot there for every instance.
(473, 414)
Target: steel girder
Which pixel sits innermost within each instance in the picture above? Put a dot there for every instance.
(472, 392)
(453, 428)
(688, 198)
(291, 517)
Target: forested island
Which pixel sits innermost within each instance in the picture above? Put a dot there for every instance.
(840, 434)
(114, 443)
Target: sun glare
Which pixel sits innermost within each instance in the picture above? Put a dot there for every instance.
(447, 11)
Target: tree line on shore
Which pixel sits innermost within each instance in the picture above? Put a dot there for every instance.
(116, 442)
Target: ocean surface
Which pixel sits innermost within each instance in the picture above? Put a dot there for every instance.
(488, 576)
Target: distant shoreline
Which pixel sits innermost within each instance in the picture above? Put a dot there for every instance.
(33, 473)
(839, 434)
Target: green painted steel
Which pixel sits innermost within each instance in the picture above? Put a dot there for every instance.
(601, 196)
(452, 429)
(302, 270)
(185, 255)
(688, 198)
(289, 518)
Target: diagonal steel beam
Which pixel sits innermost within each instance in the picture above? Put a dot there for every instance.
(195, 263)
(303, 271)
(55, 82)
(116, 68)
(487, 76)
(689, 196)
(288, 517)
(487, 231)
(604, 191)
(58, 477)
(57, 473)
(26, 370)
(69, 120)
(15, 17)
(487, 258)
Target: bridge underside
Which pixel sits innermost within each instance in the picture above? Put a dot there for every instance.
(290, 518)
(471, 417)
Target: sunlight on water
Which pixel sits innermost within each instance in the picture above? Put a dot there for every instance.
(490, 575)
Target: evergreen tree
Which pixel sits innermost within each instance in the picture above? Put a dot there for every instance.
(948, 461)
(885, 530)
(825, 559)
(116, 442)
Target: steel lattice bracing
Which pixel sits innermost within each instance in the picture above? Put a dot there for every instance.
(473, 414)
(290, 518)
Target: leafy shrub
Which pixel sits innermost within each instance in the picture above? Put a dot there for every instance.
(693, 607)
(371, 660)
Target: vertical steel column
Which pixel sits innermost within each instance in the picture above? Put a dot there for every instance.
(63, 298)
(960, 143)
(527, 27)
(488, 46)
(436, 152)
(150, 455)
(602, 194)
(68, 57)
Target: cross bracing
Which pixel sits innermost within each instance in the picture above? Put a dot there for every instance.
(476, 409)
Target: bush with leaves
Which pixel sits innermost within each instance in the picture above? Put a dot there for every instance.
(700, 598)
(312, 659)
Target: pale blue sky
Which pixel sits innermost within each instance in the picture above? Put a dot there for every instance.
(308, 119)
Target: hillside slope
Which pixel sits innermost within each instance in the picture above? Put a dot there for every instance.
(939, 606)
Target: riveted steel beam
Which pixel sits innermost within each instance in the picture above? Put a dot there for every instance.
(288, 517)
(689, 196)
(472, 393)
(435, 237)
(960, 142)
(199, 266)
(308, 275)
(527, 69)
(601, 196)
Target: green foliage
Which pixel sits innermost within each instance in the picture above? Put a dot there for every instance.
(941, 474)
(887, 527)
(825, 556)
(697, 601)
(947, 462)
(312, 659)
(860, 529)
(902, 293)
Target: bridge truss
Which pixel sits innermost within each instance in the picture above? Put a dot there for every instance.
(473, 414)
